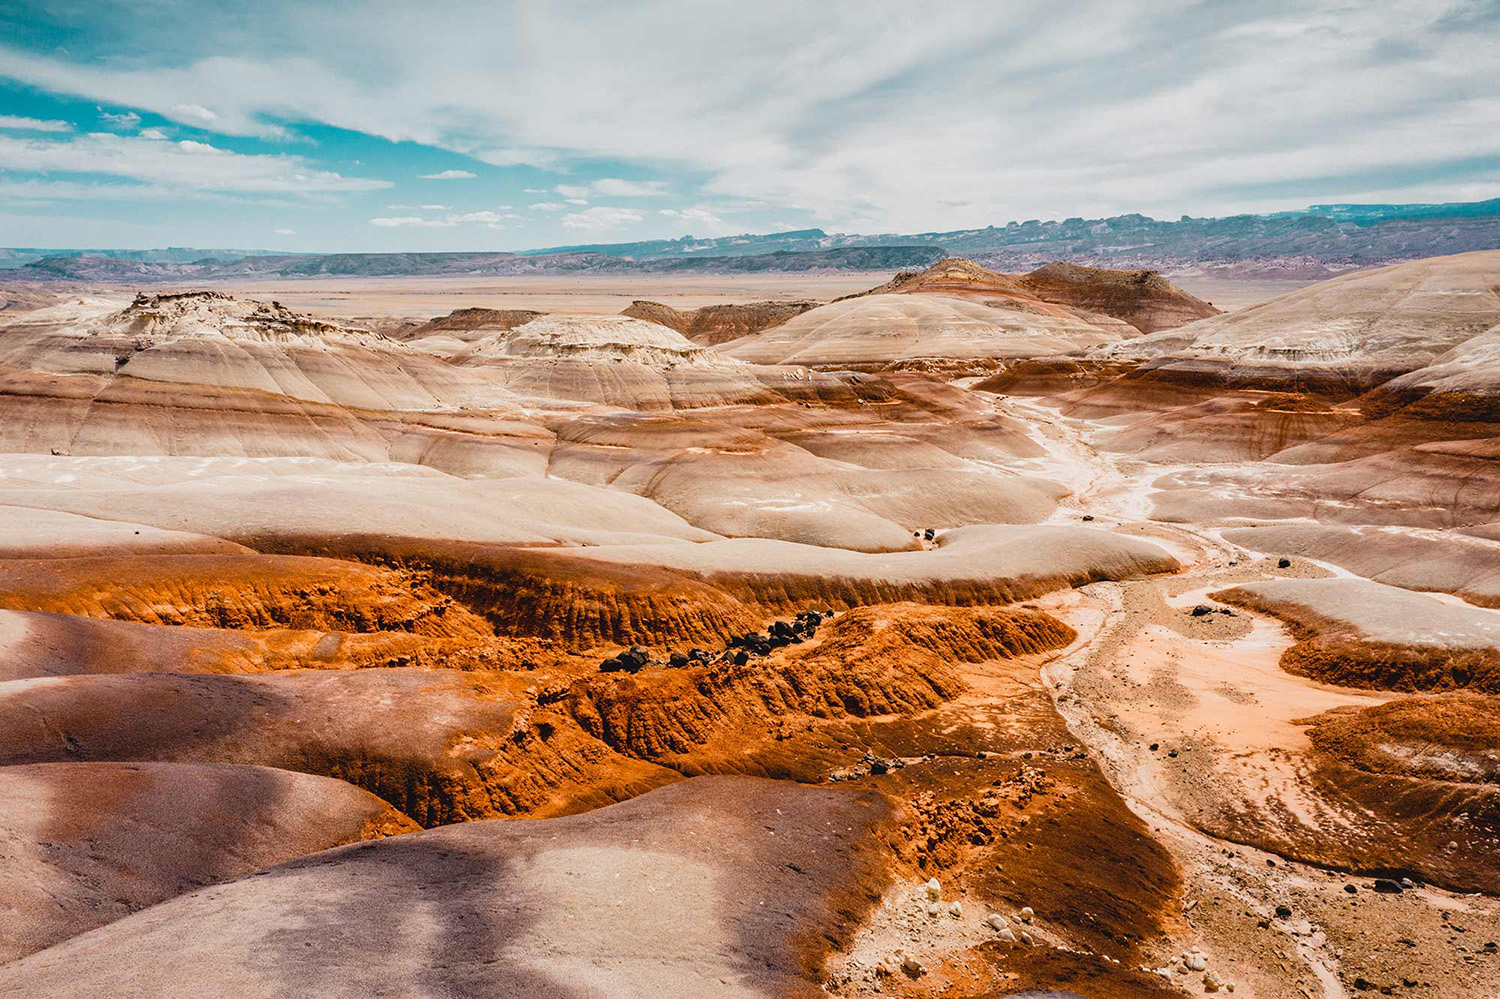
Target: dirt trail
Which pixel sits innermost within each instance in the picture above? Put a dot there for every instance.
(1193, 722)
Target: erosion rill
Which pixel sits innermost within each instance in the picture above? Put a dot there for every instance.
(977, 635)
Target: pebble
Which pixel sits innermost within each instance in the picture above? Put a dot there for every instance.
(956, 909)
(1026, 938)
(995, 921)
(1026, 914)
(912, 966)
(1007, 935)
(934, 889)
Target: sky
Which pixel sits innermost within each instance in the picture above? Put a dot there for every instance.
(367, 125)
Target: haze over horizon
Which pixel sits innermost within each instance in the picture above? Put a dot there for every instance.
(381, 128)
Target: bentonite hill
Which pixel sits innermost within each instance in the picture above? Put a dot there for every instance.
(978, 635)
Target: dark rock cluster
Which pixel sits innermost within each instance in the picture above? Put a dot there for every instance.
(738, 650)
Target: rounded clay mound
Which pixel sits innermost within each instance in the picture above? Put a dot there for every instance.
(896, 330)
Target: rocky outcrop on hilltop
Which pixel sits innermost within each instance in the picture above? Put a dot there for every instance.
(1144, 299)
(716, 324)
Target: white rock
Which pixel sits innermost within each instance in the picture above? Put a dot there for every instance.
(1196, 962)
(1007, 935)
(912, 965)
(1026, 938)
(956, 909)
(1026, 914)
(934, 890)
(995, 921)
(933, 909)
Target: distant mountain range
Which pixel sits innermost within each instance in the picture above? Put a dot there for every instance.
(1316, 243)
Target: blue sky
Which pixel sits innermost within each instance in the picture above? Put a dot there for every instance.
(362, 125)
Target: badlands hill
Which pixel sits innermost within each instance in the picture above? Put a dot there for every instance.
(1144, 299)
(1356, 331)
(887, 682)
(954, 316)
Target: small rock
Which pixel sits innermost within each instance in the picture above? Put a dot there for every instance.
(956, 909)
(1202, 610)
(995, 921)
(934, 889)
(1387, 887)
(1007, 935)
(1283, 563)
(1351, 889)
(912, 966)
(1088, 516)
(1026, 914)
(1283, 912)
(1026, 938)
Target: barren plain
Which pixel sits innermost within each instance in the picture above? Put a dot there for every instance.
(973, 635)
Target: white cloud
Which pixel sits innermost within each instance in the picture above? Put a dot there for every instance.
(285, 232)
(489, 217)
(613, 187)
(548, 206)
(68, 190)
(542, 158)
(534, 190)
(691, 215)
(153, 133)
(191, 165)
(17, 123)
(894, 115)
(194, 112)
(125, 120)
(699, 221)
(491, 220)
(417, 208)
(601, 218)
(410, 221)
(448, 175)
